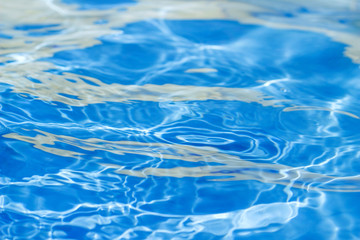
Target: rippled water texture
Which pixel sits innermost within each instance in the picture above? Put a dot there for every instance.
(179, 119)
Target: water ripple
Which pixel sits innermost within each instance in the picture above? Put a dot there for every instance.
(179, 120)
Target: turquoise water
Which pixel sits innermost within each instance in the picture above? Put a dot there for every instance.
(179, 119)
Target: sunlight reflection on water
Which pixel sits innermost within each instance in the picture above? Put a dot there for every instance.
(179, 119)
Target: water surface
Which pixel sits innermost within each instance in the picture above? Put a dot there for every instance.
(179, 119)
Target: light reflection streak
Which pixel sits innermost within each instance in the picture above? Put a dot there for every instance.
(232, 168)
(201, 70)
(52, 86)
(82, 32)
(80, 93)
(312, 108)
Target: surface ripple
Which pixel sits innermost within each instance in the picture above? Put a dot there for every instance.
(179, 119)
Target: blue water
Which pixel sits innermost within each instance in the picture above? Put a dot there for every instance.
(179, 119)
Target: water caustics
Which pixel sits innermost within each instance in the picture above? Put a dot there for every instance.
(179, 119)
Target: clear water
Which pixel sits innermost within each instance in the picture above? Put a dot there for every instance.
(179, 119)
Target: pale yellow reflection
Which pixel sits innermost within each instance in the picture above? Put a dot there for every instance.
(82, 93)
(76, 90)
(232, 168)
(80, 30)
(201, 70)
(312, 108)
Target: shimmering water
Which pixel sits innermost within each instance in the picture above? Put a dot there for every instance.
(179, 119)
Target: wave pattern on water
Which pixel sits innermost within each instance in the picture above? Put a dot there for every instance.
(179, 119)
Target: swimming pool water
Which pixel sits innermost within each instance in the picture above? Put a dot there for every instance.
(179, 119)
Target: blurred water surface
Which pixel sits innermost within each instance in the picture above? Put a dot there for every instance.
(179, 119)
